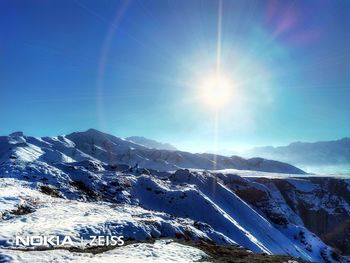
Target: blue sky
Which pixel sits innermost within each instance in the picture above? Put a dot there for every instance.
(132, 67)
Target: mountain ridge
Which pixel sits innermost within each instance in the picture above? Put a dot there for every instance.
(99, 146)
(149, 143)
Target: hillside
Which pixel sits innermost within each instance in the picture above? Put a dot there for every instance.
(89, 182)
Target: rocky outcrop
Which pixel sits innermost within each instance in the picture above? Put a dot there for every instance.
(322, 204)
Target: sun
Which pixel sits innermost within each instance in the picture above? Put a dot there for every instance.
(215, 90)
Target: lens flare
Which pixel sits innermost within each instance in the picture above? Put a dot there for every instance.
(216, 90)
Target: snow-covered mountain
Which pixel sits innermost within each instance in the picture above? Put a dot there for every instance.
(88, 183)
(151, 143)
(114, 150)
(303, 153)
(97, 146)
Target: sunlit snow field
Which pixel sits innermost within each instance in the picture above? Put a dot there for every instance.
(313, 171)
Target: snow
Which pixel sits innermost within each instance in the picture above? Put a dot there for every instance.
(161, 251)
(301, 184)
(81, 219)
(201, 208)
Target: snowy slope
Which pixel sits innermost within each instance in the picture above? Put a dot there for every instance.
(164, 251)
(80, 219)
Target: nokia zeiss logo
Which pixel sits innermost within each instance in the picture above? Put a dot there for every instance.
(62, 241)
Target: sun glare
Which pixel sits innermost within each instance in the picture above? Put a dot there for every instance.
(215, 90)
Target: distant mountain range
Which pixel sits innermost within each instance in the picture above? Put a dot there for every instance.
(305, 153)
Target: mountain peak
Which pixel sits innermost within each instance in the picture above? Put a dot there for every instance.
(93, 131)
(90, 133)
(16, 134)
